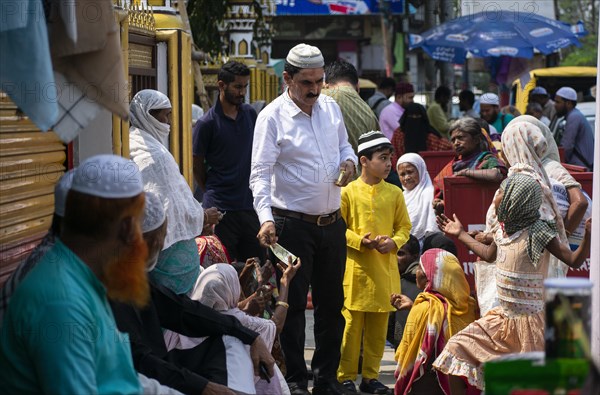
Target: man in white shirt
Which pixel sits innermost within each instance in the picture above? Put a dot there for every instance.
(300, 158)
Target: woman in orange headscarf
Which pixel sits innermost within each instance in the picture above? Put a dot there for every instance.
(441, 310)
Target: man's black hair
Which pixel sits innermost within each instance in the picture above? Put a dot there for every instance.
(441, 92)
(368, 153)
(341, 71)
(387, 83)
(412, 245)
(291, 69)
(467, 95)
(231, 69)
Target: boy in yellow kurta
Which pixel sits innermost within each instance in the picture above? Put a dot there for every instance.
(377, 226)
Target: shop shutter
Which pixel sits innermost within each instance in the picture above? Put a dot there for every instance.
(31, 162)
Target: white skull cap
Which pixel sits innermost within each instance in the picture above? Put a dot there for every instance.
(61, 190)
(489, 98)
(109, 177)
(305, 56)
(567, 93)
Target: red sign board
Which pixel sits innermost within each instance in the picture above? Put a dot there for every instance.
(470, 200)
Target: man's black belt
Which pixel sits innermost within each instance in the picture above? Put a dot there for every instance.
(319, 220)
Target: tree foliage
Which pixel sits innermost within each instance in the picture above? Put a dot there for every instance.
(587, 55)
(572, 11)
(205, 18)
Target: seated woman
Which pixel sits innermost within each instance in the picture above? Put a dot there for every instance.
(418, 195)
(441, 310)
(415, 134)
(218, 287)
(474, 158)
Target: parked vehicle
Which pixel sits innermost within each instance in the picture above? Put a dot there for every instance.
(582, 79)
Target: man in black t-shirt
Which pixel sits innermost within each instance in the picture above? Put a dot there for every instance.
(222, 148)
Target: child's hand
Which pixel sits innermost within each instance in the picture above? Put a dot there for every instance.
(481, 236)
(453, 228)
(588, 226)
(401, 302)
(289, 271)
(385, 244)
(370, 244)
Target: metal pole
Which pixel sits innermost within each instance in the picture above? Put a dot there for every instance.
(383, 12)
(595, 253)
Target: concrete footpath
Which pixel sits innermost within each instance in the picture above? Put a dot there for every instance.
(388, 365)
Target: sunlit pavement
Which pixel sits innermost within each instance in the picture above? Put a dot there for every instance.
(388, 365)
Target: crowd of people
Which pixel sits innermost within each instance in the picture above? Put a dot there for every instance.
(143, 286)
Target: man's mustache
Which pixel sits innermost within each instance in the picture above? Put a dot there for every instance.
(311, 95)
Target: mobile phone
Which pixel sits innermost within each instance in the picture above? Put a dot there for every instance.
(264, 372)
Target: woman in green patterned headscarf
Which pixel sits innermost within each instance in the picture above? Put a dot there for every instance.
(518, 209)
(517, 324)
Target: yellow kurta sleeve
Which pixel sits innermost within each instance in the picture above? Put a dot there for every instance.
(353, 239)
(402, 224)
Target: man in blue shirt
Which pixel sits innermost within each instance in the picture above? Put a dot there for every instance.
(578, 137)
(222, 148)
(59, 334)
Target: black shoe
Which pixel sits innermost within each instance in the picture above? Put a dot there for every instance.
(298, 389)
(374, 386)
(350, 386)
(332, 388)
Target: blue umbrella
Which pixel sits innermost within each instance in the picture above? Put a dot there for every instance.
(499, 33)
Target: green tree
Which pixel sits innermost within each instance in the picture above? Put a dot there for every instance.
(587, 55)
(572, 11)
(205, 18)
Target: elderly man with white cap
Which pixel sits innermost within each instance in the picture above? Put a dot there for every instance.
(59, 334)
(300, 159)
(578, 136)
(489, 108)
(199, 369)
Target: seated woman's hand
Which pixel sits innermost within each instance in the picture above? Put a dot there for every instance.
(289, 270)
(248, 270)
(401, 302)
(254, 305)
(264, 272)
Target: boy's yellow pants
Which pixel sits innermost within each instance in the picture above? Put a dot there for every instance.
(371, 328)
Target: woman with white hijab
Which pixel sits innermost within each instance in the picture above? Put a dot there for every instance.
(178, 265)
(218, 287)
(418, 195)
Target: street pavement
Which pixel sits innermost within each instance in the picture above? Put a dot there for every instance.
(388, 365)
